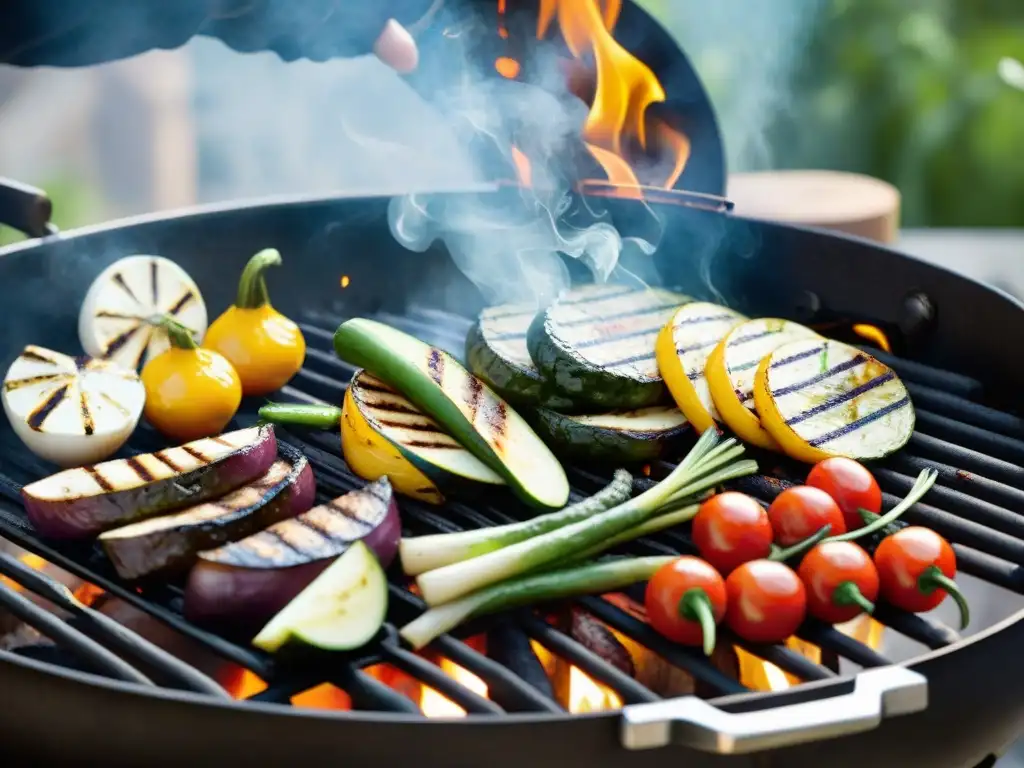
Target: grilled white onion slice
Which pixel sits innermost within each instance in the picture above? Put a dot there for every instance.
(71, 410)
(114, 322)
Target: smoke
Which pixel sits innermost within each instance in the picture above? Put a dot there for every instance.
(745, 53)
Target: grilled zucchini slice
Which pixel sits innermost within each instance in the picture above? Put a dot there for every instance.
(731, 368)
(617, 437)
(595, 344)
(682, 352)
(463, 406)
(820, 398)
(496, 353)
(384, 435)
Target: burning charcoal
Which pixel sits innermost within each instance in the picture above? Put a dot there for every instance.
(599, 639)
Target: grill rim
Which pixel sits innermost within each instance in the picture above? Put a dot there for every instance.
(763, 698)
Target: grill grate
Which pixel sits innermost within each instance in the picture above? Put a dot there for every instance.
(977, 451)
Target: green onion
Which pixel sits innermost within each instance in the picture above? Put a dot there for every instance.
(691, 476)
(425, 553)
(295, 415)
(591, 579)
(925, 480)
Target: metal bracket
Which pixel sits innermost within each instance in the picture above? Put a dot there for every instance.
(695, 723)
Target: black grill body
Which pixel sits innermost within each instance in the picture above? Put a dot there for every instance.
(940, 323)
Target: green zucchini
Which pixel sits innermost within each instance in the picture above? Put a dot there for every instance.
(595, 345)
(462, 405)
(496, 353)
(639, 435)
(341, 610)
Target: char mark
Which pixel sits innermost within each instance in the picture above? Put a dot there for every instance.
(154, 281)
(88, 425)
(638, 312)
(846, 365)
(120, 340)
(31, 354)
(861, 422)
(137, 467)
(843, 398)
(435, 363)
(181, 303)
(96, 475)
(37, 417)
(167, 461)
(41, 379)
(123, 285)
(615, 338)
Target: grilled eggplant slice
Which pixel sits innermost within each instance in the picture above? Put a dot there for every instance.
(682, 351)
(496, 353)
(617, 437)
(114, 322)
(384, 435)
(87, 500)
(287, 489)
(820, 398)
(252, 579)
(595, 344)
(463, 405)
(731, 368)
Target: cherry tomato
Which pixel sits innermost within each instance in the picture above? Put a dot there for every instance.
(841, 581)
(850, 484)
(916, 567)
(731, 529)
(802, 511)
(685, 599)
(767, 601)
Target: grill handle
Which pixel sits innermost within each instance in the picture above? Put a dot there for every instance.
(25, 208)
(695, 723)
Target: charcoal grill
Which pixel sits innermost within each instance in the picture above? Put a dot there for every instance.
(117, 699)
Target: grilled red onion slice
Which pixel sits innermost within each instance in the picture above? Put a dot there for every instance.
(249, 581)
(86, 500)
(285, 490)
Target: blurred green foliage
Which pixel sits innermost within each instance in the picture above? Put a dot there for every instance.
(75, 203)
(927, 94)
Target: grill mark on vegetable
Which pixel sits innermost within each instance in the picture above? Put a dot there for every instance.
(31, 354)
(197, 455)
(40, 379)
(861, 422)
(181, 303)
(476, 390)
(98, 477)
(166, 461)
(513, 336)
(615, 338)
(412, 427)
(119, 280)
(619, 316)
(853, 362)
(741, 340)
(154, 282)
(348, 514)
(389, 407)
(509, 314)
(144, 347)
(697, 347)
(628, 360)
(796, 358)
(107, 314)
(702, 319)
(600, 297)
(843, 398)
(136, 466)
(497, 420)
(88, 425)
(221, 441)
(431, 444)
(280, 538)
(435, 363)
(120, 340)
(37, 417)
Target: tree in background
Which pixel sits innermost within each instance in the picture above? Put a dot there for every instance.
(927, 94)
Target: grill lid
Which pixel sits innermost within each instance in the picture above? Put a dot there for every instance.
(65, 33)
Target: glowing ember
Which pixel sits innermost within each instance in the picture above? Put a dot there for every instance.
(239, 682)
(507, 67)
(587, 695)
(523, 172)
(873, 334)
(433, 704)
(323, 696)
(35, 562)
(345, 281)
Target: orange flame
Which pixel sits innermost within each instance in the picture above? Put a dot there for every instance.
(625, 88)
(523, 171)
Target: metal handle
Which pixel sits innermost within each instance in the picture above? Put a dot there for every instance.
(25, 208)
(692, 722)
